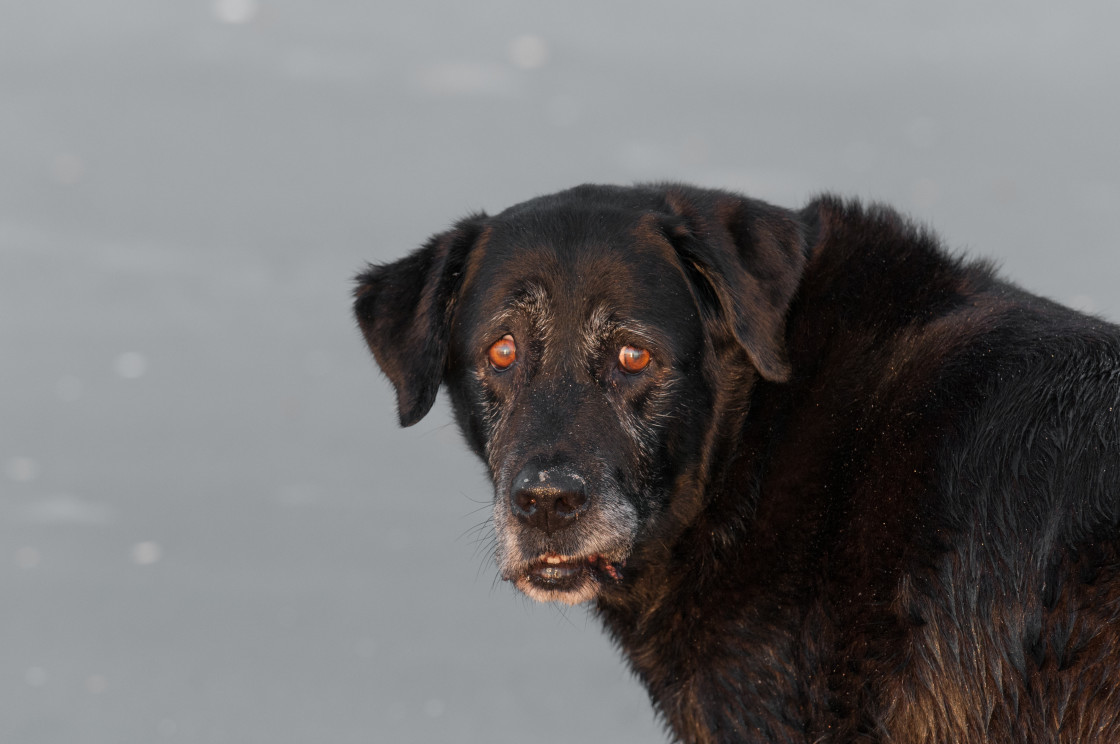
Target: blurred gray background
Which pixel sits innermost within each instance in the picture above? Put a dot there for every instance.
(211, 529)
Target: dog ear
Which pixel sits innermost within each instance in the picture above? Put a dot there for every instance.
(751, 260)
(404, 311)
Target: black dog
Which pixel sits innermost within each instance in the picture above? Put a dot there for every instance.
(823, 482)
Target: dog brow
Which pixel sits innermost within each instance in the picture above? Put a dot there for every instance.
(530, 299)
(604, 321)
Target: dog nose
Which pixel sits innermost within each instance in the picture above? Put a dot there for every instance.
(549, 499)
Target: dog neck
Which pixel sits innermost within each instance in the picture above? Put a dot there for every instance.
(771, 532)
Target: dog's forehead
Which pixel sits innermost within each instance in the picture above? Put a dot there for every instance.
(602, 255)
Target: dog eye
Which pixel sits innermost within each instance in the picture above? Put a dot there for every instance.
(632, 359)
(503, 352)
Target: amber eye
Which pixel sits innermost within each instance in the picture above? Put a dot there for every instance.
(503, 352)
(632, 359)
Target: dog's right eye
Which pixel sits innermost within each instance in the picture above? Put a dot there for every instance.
(503, 352)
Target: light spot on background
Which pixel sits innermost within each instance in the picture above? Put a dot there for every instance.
(235, 11)
(465, 78)
(695, 150)
(563, 110)
(642, 157)
(397, 539)
(167, 728)
(21, 469)
(300, 494)
(146, 553)
(1098, 196)
(69, 388)
(925, 193)
(27, 557)
(528, 51)
(67, 169)
(434, 708)
(96, 684)
(365, 647)
(859, 157)
(923, 133)
(66, 510)
(36, 676)
(1004, 191)
(318, 363)
(335, 64)
(131, 365)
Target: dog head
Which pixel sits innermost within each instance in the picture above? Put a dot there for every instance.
(588, 341)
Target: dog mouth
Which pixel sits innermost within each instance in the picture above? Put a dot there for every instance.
(568, 579)
(557, 570)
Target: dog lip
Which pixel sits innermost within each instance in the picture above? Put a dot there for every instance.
(565, 571)
(557, 572)
(553, 558)
(558, 559)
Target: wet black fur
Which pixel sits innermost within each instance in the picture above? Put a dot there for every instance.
(874, 487)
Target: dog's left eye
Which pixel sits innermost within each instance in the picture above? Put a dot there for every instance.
(632, 359)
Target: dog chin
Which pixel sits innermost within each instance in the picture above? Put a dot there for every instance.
(584, 590)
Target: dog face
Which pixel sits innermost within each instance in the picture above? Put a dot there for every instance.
(570, 364)
(588, 341)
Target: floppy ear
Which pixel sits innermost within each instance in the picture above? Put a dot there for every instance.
(404, 311)
(751, 255)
